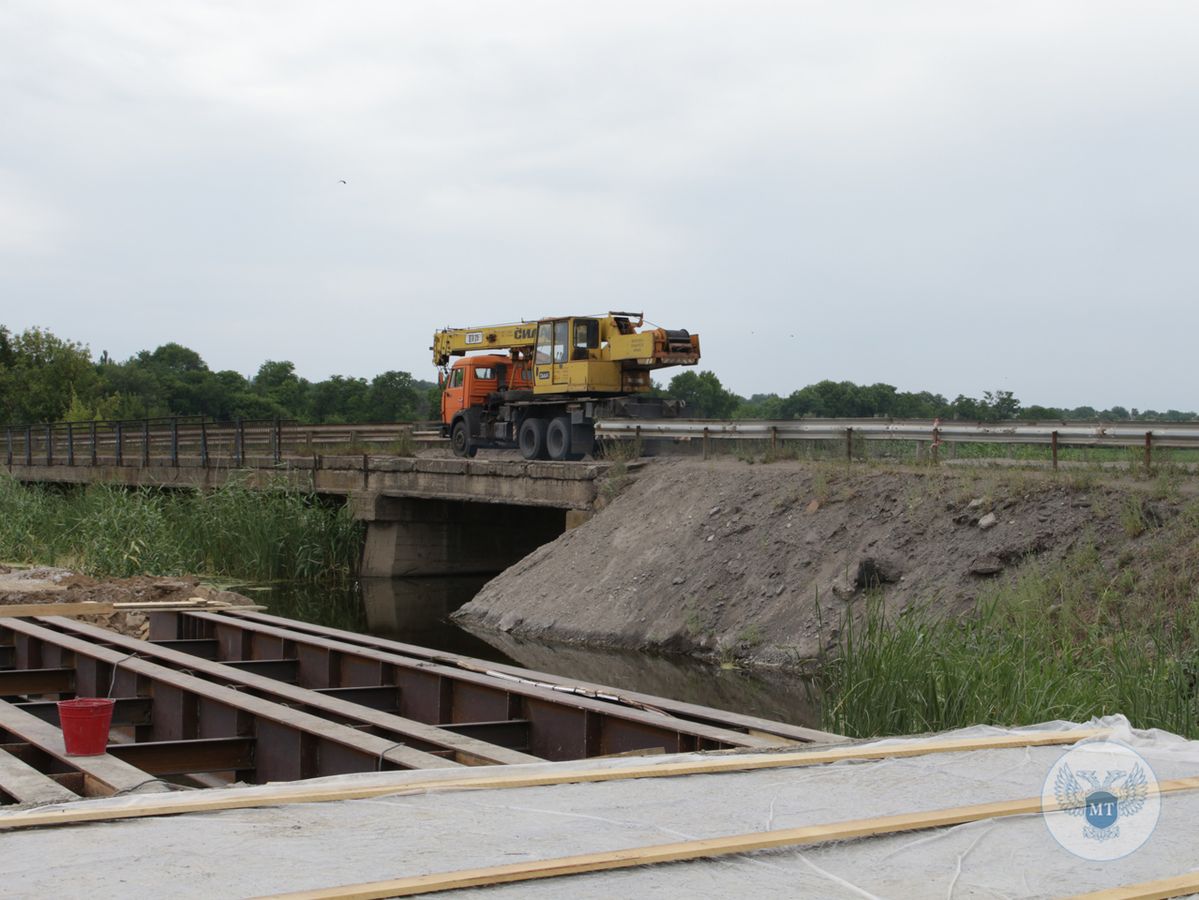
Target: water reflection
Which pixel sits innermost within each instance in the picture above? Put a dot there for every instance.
(417, 611)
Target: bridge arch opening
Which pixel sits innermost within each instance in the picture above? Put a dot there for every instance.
(417, 536)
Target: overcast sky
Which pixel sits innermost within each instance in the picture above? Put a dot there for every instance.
(954, 196)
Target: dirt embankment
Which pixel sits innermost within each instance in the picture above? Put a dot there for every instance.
(44, 584)
(763, 562)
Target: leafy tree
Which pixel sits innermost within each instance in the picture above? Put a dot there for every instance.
(703, 394)
(1000, 405)
(392, 397)
(339, 399)
(39, 372)
(278, 383)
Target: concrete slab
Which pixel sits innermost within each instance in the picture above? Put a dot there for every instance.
(242, 853)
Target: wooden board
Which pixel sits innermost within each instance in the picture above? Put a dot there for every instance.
(467, 750)
(25, 784)
(103, 775)
(56, 609)
(699, 849)
(515, 779)
(1160, 889)
(89, 608)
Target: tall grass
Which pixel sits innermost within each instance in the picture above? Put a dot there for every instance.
(1046, 647)
(232, 531)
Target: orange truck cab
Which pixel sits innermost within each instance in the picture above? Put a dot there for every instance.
(475, 381)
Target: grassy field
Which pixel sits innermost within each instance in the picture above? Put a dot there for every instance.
(1068, 640)
(231, 532)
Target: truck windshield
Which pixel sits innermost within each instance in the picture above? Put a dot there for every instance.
(561, 332)
(544, 339)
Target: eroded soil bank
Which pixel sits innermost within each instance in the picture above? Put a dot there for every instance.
(763, 563)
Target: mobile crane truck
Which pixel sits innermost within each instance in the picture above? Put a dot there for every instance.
(542, 385)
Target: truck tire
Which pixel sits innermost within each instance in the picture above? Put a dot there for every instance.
(460, 440)
(557, 438)
(532, 438)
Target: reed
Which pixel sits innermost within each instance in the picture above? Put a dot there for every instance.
(1048, 646)
(233, 531)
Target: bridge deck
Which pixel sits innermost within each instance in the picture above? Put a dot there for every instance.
(517, 482)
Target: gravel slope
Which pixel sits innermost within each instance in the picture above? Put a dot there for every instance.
(761, 562)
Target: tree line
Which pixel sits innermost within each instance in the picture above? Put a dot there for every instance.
(707, 398)
(44, 378)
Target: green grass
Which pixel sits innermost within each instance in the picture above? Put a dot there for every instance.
(1064, 641)
(233, 531)
(1129, 459)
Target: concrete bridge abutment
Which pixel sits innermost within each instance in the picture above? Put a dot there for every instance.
(415, 536)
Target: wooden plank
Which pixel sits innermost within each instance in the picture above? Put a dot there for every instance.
(467, 750)
(263, 710)
(90, 608)
(755, 726)
(103, 775)
(1159, 889)
(511, 779)
(688, 850)
(25, 784)
(87, 608)
(715, 736)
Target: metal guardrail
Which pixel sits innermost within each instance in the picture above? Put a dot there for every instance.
(1146, 435)
(197, 441)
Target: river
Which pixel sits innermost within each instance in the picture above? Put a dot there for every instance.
(417, 611)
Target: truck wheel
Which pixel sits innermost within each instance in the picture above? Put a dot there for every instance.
(557, 438)
(532, 438)
(460, 440)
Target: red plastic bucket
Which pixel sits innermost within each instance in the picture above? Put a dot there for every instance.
(85, 724)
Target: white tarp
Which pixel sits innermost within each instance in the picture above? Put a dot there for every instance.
(242, 853)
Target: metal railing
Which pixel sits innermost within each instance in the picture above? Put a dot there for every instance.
(1055, 435)
(189, 441)
(199, 441)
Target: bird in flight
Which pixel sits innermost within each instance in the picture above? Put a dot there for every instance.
(342, 181)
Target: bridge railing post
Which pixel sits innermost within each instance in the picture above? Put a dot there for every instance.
(175, 442)
(239, 443)
(146, 443)
(119, 444)
(92, 436)
(8, 445)
(70, 444)
(277, 441)
(49, 445)
(28, 445)
(203, 444)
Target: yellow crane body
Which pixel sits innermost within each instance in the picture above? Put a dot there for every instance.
(541, 386)
(577, 354)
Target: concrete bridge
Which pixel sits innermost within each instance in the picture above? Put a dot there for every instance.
(423, 516)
